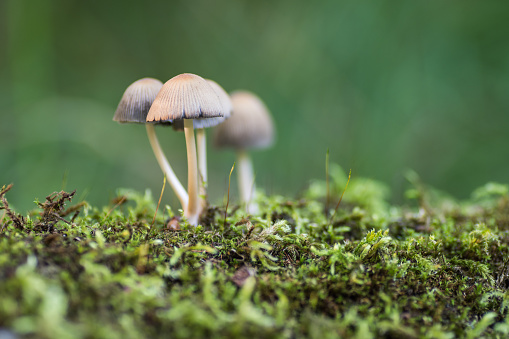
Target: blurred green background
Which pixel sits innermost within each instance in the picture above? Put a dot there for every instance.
(385, 86)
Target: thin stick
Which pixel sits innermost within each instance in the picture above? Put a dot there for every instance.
(157, 208)
(62, 219)
(327, 199)
(341, 198)
(228, 196)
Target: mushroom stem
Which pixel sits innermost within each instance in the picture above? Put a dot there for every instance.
(246, 181)
(201, 142)
(192, 210)
(166, 168)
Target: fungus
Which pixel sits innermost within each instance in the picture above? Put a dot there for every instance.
(133, 108)
(201, 139)
(249, 127)
(187, 97)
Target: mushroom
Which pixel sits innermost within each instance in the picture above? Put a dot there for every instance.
(133, 108)
(187, 97)
(250, 126)
(201, 140)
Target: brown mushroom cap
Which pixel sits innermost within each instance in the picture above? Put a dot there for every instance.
(250, 125)
(185, 96)
(136, 101)
(178, 125)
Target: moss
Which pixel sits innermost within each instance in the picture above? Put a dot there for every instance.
(435, 269)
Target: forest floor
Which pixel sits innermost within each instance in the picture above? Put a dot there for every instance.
(436, 268)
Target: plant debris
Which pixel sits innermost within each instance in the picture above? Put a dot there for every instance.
(17, 220)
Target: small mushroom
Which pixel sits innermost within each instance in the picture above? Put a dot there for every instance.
(133, 108)
(187, 97)
(201, 139)
(250, 126)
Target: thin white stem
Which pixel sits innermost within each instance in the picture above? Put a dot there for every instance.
(166, 168)
(246, 181)
(201, 143)
(192, 210)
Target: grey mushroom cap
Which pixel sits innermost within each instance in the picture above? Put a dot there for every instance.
(137, 100)
(250, 125)
(223, 97)
(226, 103)
(185, 96)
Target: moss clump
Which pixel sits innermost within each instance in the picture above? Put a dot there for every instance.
(439, 269)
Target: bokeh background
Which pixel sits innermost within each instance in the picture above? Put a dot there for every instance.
(385, 86)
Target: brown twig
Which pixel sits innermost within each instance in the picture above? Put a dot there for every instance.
(62, 219)
(1, 220)
(18, 221)
(55, 202)
(73, 208)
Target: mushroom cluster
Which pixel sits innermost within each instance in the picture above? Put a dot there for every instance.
(188, 102)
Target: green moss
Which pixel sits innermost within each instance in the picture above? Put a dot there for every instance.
(436, 270)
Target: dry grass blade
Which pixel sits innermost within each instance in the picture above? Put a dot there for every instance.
(120, 202)
(327, 197)
(157, 208)
(228, 196)
(340, 198)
